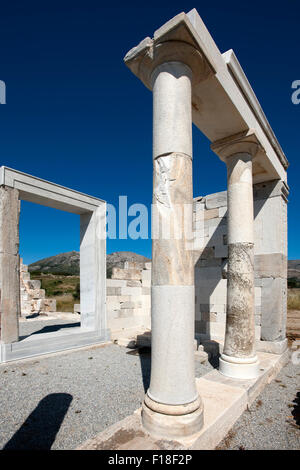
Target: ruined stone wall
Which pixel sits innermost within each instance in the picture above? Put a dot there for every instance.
(128, 299)
(128, 292)
(33, 298)
(210, 255)
(270, 260)
(211, 252)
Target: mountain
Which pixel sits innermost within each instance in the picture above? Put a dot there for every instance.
(68, 263)
(118, 259)
(64, 263)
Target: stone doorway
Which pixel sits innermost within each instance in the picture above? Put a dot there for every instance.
(16, 186)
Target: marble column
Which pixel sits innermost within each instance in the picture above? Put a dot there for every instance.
(172, 407)
(10, 308)
(239, 359)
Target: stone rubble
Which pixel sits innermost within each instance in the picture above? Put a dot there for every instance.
(33, 298)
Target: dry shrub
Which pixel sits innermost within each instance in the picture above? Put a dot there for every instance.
(293, 299)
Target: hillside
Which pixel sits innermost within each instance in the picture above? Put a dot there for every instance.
(68, 263)
(64, 263)
(294, 269)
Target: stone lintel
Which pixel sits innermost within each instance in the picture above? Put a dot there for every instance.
(268, 189)
(176, 40)
(223, 102)
(240, 77)
(243, 142)
(48, 194)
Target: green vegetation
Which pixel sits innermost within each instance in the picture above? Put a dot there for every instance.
(76, 294)
(64, 289)
(109, 271)
(293, 299)
(65, 303)
(293, 282)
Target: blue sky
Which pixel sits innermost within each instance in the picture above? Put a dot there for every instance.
(75, 114)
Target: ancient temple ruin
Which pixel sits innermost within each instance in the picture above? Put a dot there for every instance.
(192, 81)
(230, 285)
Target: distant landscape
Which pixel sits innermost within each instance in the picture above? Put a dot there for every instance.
(294, 273)
(59, 275)
(293, 303)
(67, 264)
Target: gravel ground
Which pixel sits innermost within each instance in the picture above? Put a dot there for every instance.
(61, 400)
(29, 327)
(273, 420)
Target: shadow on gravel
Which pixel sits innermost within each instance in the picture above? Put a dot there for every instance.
(39, 430)
(144, 354)
(296, 409)
(52, 328)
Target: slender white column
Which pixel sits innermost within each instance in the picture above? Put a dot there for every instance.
(172, 407)
(239, 359)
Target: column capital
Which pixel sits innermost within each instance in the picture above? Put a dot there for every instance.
(243, 142)
(173, 42)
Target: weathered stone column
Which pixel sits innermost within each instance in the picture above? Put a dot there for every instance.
(172, 406)
(239, 358)
(172, 64)
(9, 264)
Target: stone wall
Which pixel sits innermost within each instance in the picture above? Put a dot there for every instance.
(128, 292)
(33, 298)
(128, 299)
(211, 252)
(210, 256)
(270, 260)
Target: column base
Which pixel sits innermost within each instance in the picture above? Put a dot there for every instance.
(170, 424)
(239, 368)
